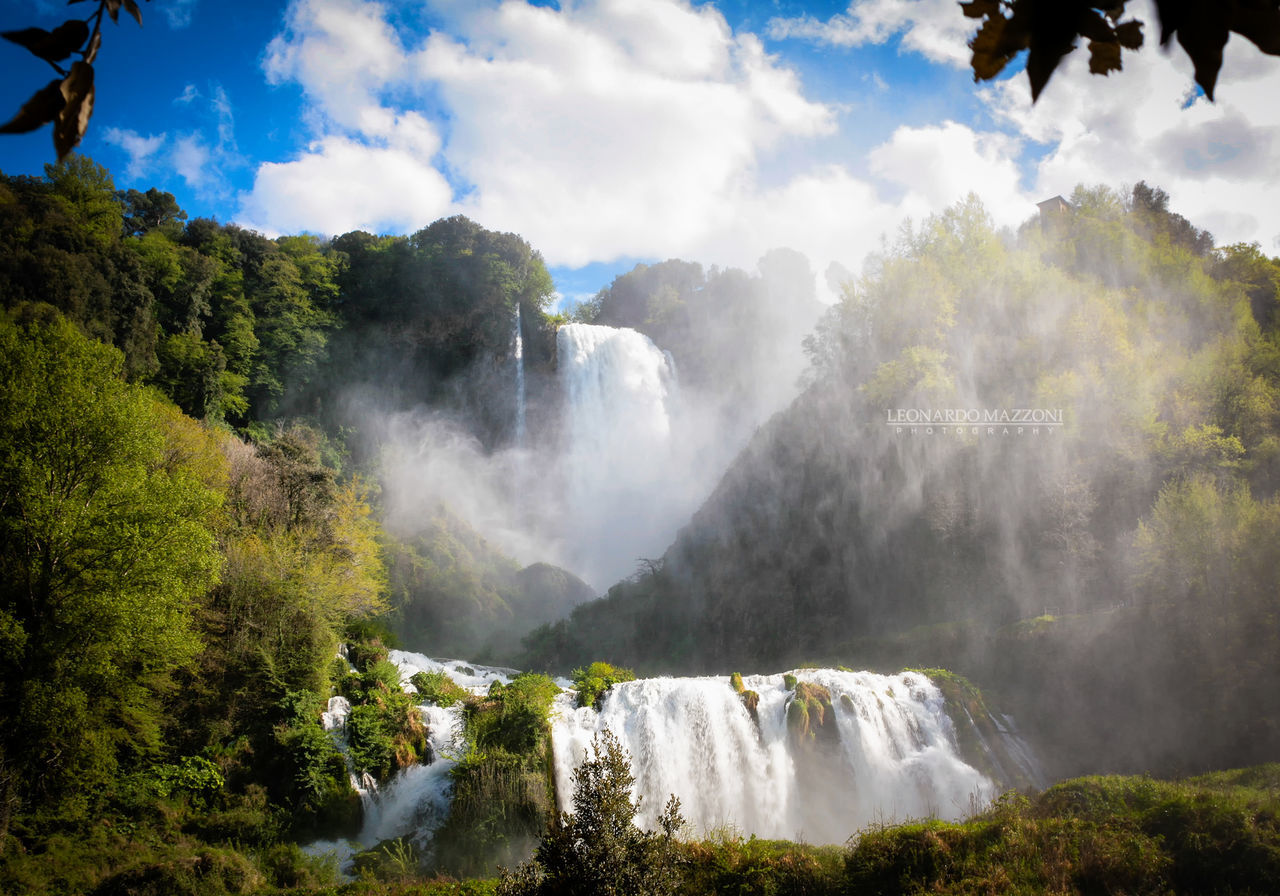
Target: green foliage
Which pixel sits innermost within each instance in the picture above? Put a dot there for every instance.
(734, 864)
(1100, 834)
(438, 688)
(106, 541)
(810, 716)
(594, 681)
(502, 786)
(194, 777)
(598, 849)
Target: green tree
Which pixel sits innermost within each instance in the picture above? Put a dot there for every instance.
(105, 540)
(598, 850)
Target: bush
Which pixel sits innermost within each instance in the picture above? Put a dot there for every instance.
(438, 688)
(593, 682)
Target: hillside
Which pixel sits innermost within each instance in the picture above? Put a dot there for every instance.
(1140, 531)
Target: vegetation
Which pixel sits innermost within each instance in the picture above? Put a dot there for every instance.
(181, 555)
(594, 681)
(502, 790)
(598, 850)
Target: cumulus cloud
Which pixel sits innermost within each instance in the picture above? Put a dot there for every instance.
(933, 28)
(597, 130)
(939, 165)
(340, 185)
(623, 141)
(604, 129)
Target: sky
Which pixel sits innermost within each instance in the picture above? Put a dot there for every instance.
(611, 132)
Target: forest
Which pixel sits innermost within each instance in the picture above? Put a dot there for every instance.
(202, 546)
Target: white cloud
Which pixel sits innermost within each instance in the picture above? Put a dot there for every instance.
(934, 28)
(140, 150)
(648, 128)
(619, 147)
(939, 165)
(190, 159)
(597, 130)
(340, 185)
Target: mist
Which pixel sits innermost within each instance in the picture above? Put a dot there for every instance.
(610, 445)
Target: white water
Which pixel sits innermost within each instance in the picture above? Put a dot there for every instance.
(517, 353)
(622, 497)
(896, 757)
(893, 758)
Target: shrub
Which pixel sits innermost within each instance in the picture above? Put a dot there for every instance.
(438, 688)
(593, 682)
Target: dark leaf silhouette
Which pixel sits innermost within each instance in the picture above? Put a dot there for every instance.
(73, 120)
(51, 46)
(68, 100)
(1048, 30)
(42, 108)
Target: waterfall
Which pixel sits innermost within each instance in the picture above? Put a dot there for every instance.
(517, 353)
(891, 756)
(622, 498)
(886, 752)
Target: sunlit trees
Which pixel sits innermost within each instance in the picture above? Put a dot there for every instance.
(105, 541)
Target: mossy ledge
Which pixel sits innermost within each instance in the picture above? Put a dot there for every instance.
(979, 740)
(750, 699)
(810, 717)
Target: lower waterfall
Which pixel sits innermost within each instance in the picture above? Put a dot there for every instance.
(875, 749)
(891, 755)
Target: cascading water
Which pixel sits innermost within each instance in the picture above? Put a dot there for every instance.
(517, 353)
(620, 396)
(892, 755)
(886, 751)
(416, 801)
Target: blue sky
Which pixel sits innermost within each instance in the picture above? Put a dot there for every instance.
(613, 131)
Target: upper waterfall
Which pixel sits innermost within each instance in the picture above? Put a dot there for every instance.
(517, 355)
(621, 415)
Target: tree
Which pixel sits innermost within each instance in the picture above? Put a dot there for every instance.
(1048, 29)
(598, 850)
(105, 540)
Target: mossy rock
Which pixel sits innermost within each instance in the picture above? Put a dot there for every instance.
(810, 716)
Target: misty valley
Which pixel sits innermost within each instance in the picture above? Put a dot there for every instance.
(367, 564)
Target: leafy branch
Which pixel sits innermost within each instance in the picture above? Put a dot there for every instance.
(67, 100)
(1048, 30)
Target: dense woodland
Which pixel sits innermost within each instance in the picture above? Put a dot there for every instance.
(191, 525)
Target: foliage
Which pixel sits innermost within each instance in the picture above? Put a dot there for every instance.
(107, 539)
(438, 688)
(501, 786)
(730, 863)
(1048, 31)
(594, 681)
(598, 849)
(1100, 834)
